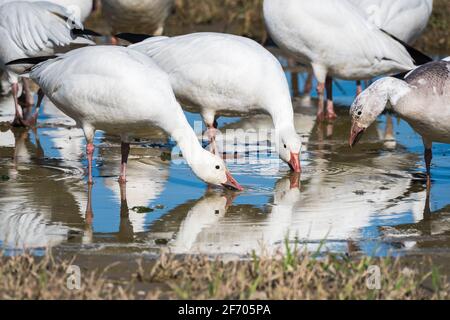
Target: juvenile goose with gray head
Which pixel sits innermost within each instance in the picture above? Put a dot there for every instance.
(422, 99)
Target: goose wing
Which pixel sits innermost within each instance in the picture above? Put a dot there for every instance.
(37, 27)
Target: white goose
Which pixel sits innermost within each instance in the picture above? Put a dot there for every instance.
(335, 38)
(422, 99)
(138, 16)
(225, 75)
(28, 30)
(126, 101)
(405, 19)
(79, 9)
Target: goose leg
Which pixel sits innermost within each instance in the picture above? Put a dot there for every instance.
(427, 209)
(89, 213)
(126, 231)
(31, 120)
(428, 159)
(308, 84)
(18, 119)
(26, 100)
(123, 168)
(320, 72)
(212, 130)
(90, 148)
(295, 91)
(210, 120)
(29, 101)
(331, 115)
(359, 88)
(389, 137)
(320, 108)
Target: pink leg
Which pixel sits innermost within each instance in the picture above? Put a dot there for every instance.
(331, 115)
(320, 109)
(38, 106)
(212, 133)
(19, 113)
(114, 41)
(359, 88)
(31, 120)
(89, 213)
(308, 84)
(29, 101)
(123, 168)
(90, 148)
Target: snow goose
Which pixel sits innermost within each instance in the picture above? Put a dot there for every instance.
(127, 101)
(421, 99)
(138, 16)
(335, 38)
(80, 10)
(405, 19)
(226, 75)
(32, 29)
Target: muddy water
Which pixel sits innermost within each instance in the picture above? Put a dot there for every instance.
(371, 199)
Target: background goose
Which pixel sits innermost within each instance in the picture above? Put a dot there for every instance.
(126, 101)
(137, 16)
(83, 8)
(225, 75)
(79, 9)
(421, 99)
(336, 39)
(28, 30)
(405, 19)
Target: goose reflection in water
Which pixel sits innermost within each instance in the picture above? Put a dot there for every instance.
(430, 231)
(31, 217)
(149, 176)
(334, 201)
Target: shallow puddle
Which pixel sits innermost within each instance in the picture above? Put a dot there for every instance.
(371, 199)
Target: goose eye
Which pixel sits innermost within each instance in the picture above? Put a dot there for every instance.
(217, 167)
(359, 113)
(285, 146)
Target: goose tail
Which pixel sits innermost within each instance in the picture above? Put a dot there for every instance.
(133, 38)
(86, 33)
(419, 57)
(24, 66)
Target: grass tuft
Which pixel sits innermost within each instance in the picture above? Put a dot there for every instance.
(286, 276)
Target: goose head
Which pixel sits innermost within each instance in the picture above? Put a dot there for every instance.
(366, 109)
(289, 147)
(212, 170)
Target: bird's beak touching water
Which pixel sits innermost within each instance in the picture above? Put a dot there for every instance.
(232, 183)
(294, 163)
(356, 134)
